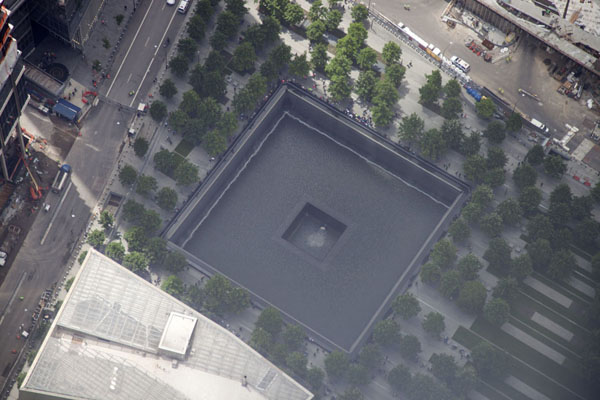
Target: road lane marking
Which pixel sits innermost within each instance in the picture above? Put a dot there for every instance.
(147, 40)
(128, 79)
(62, 200)
(14, 295)
(129, 49)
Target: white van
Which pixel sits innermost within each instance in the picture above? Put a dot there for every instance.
(183, 6)
(543, 128)
(460, 64)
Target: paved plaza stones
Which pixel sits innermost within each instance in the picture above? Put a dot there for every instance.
(309, 212)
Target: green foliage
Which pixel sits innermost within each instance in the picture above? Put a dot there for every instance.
(358, 375)
(452, 88)
(434, 324)
(472, 212)
(222, 297)
(166, 198)
(245, 99)
(205, 9)
(316, 30)
(105, 43)
(452, 133)
(115, 251)
(472, 297)
(339, 88)
(561, 265)
(359, 13)
(470, 144)
(69, 283)
(451, 108)
(433, 144)
(366, 58)
(365, 85)
(336, 365)
(150, 221)
(435, 78)
(411, 128)
(136, 238)
(431, 273)
(491, 224)
(187, 48)
(521, 267)
(428, 94)
(468, 267)
(319, 56)
(395, 73)
(443, 367)
(510, 211)
(530, 199)
(133, 211)
(496, 311)
(179, 65)
(299, 66)
(293, 337)
(196, 27)
(136, 261)
(485, 108)
(82, 256)
(243, 58)
(297, 361)
(158, 110)
(475, 168)
(540, 253)
(175, 261)
(317, 11)
(96, 238)
(194, 296)
(495, 132)
(156, 250)
(581, 207)
(370, 356)
(386, 332)
(173, 285)
(586, 233)
(539, 227)
(227, 24)
(535, 156)
(214, 143)
(119, 18)
(489, 361)
(146, 185)
(443, 253)
(140, 147)
(270, 320)
(399, 378)
(524, 176)
(352, 393)
(127, 175)
(514, 122)
(409, 347)
(465, 381)
(261, 341)
(498, 255)
(332, 20)
(236, 7)
(406, 305)
(186, 173)
(314, 377)
(494, 177)
(496, 157)
(450, 283)
(554, 166)
(459, 231)
(294, 14)
(106, 219)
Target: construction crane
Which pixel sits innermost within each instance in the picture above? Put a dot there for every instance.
(34, 190)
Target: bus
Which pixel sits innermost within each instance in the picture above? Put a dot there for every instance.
(61, 178)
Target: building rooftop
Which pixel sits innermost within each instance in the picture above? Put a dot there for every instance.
(104, 344)
(317, 216)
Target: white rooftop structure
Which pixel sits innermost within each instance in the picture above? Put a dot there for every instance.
(109, 339)
(177, 334)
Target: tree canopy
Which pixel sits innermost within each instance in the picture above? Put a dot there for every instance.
(434, 323)
(406, 305)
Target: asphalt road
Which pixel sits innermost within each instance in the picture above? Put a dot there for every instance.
(143, 52)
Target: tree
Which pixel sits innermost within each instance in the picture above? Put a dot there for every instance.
(524, 176)
(271, 28)
(535, 156)
(357, 34)
(186, 173)
(399, 378)
(336, 364)
(158, 110)
(561, 195)
(227, 24)
(411, 128)
(136, 238)
(244, 58)
(561, 265)
(433, 144)
(237, 7)
(261, 340)
(452, 88)
(424, 387)
(359, 13)
(293, 337)
(179, 65)
(140, 147)
(489, 361)
(365, 85)
(317, 11)
(358, 375)
(452, 133)
(496, 311)
(540, 253)
(332, 20)
(443, 253)
(559, 214)
(475, 168)
(596, 192)
(491, 224)
(554, 166)
(166, 198)
(495, 132)
(127, 175)
(581, 207)
(506, 288)
(406, 305)
(339, 88)
(96, 238)
(106, 220)
(156, 250)
(521, 267)
(205, 9)
(514, 122)
(485, 108)
(459, 230)
(498, 255)
(150, 221)
(443, 367)
(385, 93)
(175, 261)
(530, 199)
(297, 363)
(196, 27)
(194, 296)
(409, 347)
(146, 185)
(352, 393)
(494, 177)
(386, 332)
(316, 30)
(370, 356)
(319, 57)
(450, 283)
(496, 157)
(299, 66)
(472, 297)
(435, 78)
(395, 73)
(472, 212)
(428, 94)
(294, 14)
(270, 320)
(431, 273)
(115, 251)
(586, 232)
(451, 107)
(339, 66)
(366, 58)
(214, 143)
(222, 297)
(137, 261)
(510, 211)
(314, 377)
(470, 144)
(165, 161)
(468, 267)
(187, 47)
(434, 324)
(168, 89)
(483, 195)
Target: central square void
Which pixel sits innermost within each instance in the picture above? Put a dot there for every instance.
(314, 232)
